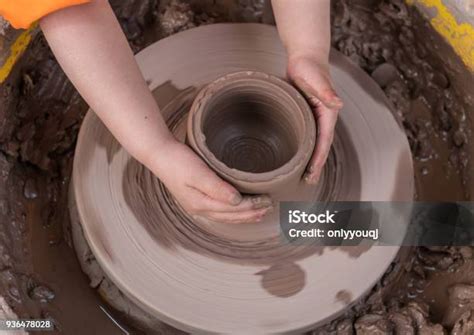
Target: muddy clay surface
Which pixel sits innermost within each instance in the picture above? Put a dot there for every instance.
(104, 173)
(426, 290)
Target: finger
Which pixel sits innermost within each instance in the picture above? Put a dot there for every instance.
(248, 203)
(318, 89)
(252, 216)
(214, 187)
(326, 119)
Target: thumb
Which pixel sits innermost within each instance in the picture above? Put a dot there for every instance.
(217, 189)
(318, 89)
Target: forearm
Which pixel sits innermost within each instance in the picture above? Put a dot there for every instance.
(304, 27)
(94, 53)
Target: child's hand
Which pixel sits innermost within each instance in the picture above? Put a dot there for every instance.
(305, 30)
(313, 78)
(201, 192)
(91, 48)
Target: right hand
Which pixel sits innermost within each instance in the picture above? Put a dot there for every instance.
(312, 77)
(201, 192)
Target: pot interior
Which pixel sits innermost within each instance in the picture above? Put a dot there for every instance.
(252, 127)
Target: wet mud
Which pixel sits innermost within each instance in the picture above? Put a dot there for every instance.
(426, 290)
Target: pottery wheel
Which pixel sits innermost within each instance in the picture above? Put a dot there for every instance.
(235, 278)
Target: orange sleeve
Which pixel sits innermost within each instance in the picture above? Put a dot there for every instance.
(22, 13)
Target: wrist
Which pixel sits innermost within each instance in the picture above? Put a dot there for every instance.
(155, 154)
(163, 160)
(316, 55)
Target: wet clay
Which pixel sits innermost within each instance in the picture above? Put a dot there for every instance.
(283, 280)
(429, 90)
(428, 94)
(255, 130)
(164, 243)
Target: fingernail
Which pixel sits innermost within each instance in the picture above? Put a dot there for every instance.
(310, 179)
(336, 103)
(261, 202)
(200, 219)
(269, 210)
(266, 211)
(261, 217)
(236, 199)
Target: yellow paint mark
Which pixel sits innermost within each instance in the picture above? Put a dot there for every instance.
(16, 50)
(459, 35)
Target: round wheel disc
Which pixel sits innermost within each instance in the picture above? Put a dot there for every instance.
(230, 278)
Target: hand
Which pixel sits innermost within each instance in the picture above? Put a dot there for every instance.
(313, 79)
(201, 192)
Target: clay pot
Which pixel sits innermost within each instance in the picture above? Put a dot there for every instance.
(255, 130)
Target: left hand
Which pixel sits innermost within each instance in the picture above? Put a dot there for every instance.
(313, 79)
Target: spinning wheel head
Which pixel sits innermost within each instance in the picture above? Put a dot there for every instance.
(229, 278)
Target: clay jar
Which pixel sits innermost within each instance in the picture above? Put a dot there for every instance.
(255, 130)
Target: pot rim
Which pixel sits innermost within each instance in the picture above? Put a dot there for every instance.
(198, 140)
